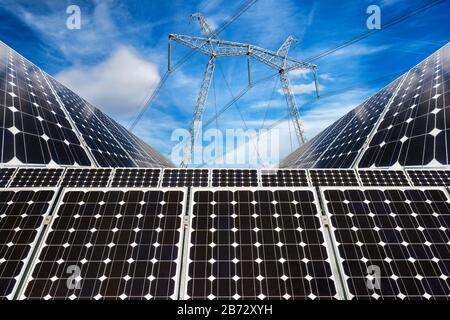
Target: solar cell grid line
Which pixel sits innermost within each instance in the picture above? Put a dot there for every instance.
(37, 177)
(433, 177)
(89, 178)
(386, 178)
(333, 177)
(125, 244)
(172, 177)
(257, 243)
(22, 214)
(234, 178)
(284, 178)
(5, 176)
(392, 242)
(134, 177)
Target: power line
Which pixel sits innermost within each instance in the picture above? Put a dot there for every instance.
(247, 5)
(390, 23)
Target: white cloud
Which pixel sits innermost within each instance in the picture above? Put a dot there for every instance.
(117, 85)
(358, 50)
(299, 73)
(326, 77)
(303, 88)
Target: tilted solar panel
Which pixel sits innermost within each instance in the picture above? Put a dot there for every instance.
(415, 129)
(333, 177)
(394, 178)
(111, 244)
(284, 178)
(429, 177)
(34, 127)
(392, 243)
(37, 177)
(234, 178)
(262, 243)
(22, 214)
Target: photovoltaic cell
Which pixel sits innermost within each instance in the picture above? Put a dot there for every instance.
(136, 178)
(234, 178)
(6, 175)
(284, 178)
(415, 130)
(37, 177)
(124, 244)
(392, 243)
(264, 243)
(88, 178)
(429, 177)
(33, 126)
(331, 177)
(185, 178)
(394, 178)
(22, 213)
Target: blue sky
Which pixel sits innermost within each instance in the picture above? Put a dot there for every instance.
(120, 53)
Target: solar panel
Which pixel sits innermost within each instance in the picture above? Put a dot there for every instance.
(345, 148)
(22, 213)
(111, 244)
(88, 178)
(185, 178)
(107, 151)
(284, 178)
(394, 178)
(37, 177)
(392, 243)
(309, 153)
(6, 175)
(429, 177)
(415, 129)
(234, 178)
(331, 177)
(136, 178)
(263, 243)
(34, 128)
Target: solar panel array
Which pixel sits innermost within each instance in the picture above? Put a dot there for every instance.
(260, 244)
(37, 177)
(392, 243)
(185, 178)
(234, 178)
(284, 178)
(45, 123)
(405, 124)
(87, 178)
(429, 177)
(383, 178)
(118, 244)
(22, 213)
(333, 177)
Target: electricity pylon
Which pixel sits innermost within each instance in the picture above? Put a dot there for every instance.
(214, 48)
